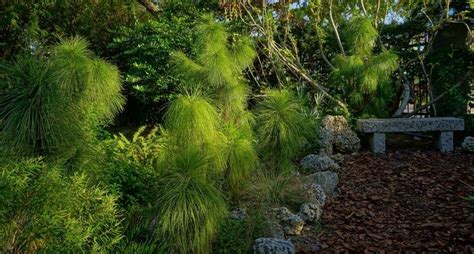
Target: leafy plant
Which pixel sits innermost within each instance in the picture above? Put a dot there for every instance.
(193, 123)
(363, 77)
(44, 210)
(277, 189)
(238, 236)
(130, 166)
(50, 104)
(191, 208)
(216, 73)
(218, 68)
(282, 127)
(242, 157)
(143, 53)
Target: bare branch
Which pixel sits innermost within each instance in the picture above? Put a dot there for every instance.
(363, 8)
(333, 24)
(377, 11)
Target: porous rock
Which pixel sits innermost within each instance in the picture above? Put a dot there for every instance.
(315, 193)
(310, 212)
(315, 163)
(238, 214)
(292, 224)
(335, 133)
(327, 179)
(273, 246)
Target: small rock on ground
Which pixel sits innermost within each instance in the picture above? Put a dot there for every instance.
(273, 246)
(317, 163)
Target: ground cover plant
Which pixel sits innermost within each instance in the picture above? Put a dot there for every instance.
(179, 126)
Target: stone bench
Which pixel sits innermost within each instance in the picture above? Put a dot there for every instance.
(378, 127)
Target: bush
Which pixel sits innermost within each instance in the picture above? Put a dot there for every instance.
(282, 128)
(44, 210)
(238, 236)
(130, 166)
(52, 103)
(143, 54)
(275, 189)
(190, 207)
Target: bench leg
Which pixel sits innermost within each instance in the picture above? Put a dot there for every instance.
(377, 143)
(445, 142)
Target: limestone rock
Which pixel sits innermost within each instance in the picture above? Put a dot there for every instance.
(327, 179)
(310, 212)
(315, 192)
(335, 133)
(273, 246)
(238, 214)
(468, 144)
(292, 224)
(315, 163)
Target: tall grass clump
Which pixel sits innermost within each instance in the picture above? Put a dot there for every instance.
(282, 127)
(190, 206)
(51, 103)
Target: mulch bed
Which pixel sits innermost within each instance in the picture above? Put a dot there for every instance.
(401, 201)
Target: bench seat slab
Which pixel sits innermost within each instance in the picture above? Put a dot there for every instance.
(383, 125)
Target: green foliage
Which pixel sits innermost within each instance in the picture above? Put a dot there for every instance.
(242, 157)
(222, 124)
(143, 54)
(282, 127)
(51, 104)
(449, 66)
(275, 189)
(218, 67)
(44, 210)
(364, 78)
(190, 207)
(130, 166)
(31, 24)
(193, 123)
(238, 236)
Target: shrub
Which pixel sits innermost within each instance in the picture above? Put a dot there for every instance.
(44, 210)
(191, 208)
(242, 157)
(364, 78)
(238, 236)
(193, 123)
(50, 104)
(130, 166)
(143, 54)
(282, 127)
(275, 189)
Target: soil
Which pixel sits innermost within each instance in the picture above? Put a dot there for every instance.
(406, 200)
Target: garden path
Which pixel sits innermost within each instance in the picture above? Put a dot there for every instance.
(401, 201)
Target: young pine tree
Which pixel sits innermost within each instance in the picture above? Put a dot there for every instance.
(51, 104)
(363, 76)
